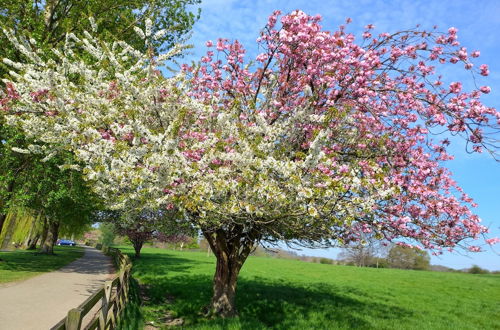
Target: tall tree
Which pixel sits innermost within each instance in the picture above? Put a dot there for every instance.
(47, 23)
(322, 141)
(12, 165)
(144, 225)
(63, 199)
(368, 250)
(359, 254)
(405, 257)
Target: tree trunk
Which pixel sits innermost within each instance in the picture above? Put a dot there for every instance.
(3, 216)
(50, 240)
(31, 245)
(231, 253)
(6, 244)
(224, 286)
(33, 234)
(137, 247)
(45, 230)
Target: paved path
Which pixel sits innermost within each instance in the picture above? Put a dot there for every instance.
(41, 301)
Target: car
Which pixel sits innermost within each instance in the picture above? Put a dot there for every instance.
(66, 242)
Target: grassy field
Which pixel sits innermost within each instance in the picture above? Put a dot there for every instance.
(290, 294)
(20, 264)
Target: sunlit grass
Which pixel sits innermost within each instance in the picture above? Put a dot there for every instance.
(21, 264)
(291, 294)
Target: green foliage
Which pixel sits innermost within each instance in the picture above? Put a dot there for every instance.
(48, 21)
(475, 269)
(193, 245)
(289, 294)
(11, 164)
(20, 264)
(326, 261)
(59, 195)
(378, 262)
(108, 234)
(408, 258)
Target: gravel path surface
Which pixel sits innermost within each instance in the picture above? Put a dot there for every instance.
(42, 301)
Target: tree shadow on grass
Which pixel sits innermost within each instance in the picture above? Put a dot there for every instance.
(263, 303)
(152, 265)
(32, 261)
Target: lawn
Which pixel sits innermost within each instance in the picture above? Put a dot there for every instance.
(21, 264)
(291, 294)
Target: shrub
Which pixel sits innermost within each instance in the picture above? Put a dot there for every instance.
(475, 269)
(326, 261)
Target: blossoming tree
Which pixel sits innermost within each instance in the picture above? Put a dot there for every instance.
(318, 141)
(141, 226)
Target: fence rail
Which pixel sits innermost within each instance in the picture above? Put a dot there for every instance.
(112, 299)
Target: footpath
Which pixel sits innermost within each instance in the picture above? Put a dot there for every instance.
(41, 301)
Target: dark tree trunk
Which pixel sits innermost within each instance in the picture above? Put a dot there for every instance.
(33, 236)
(31, 245)
(137, 247)
(231, 248)
(3, 216)
(50, 240)
(45, 230)
(9, 231)
(224, 286)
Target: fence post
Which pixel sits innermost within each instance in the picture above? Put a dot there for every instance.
(74, 319)
(103, 317)
(127, 280)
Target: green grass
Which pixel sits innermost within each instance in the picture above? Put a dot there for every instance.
(21, 264)
(290, 294)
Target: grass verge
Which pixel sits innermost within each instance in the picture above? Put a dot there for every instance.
(291, 294)
(21, 264)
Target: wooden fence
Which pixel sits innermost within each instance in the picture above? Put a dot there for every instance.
(111, 300)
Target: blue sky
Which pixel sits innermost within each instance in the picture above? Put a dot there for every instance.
(478, 24)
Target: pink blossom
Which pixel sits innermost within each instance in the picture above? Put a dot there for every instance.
(474, 248)
(343, 169)
(11, 91)
(492, 241)
(485, 89)
(400, 105)
(484, 70)
(39, 95)
(456, 87)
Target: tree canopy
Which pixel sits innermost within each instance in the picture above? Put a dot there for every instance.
(45, 25)
(407, 258)
(47, 22)
(318, 141)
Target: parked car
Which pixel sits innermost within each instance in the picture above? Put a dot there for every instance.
(66, 242)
